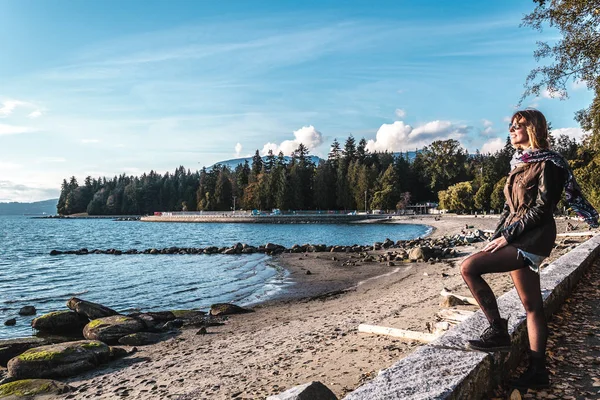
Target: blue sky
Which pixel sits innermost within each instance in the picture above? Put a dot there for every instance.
(105, 87)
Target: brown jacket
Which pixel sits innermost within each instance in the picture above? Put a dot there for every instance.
(532, 191)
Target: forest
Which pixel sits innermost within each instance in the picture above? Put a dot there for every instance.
(351, 178)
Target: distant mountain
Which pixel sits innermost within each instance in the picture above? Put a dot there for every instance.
(38, 207)
(231, 164)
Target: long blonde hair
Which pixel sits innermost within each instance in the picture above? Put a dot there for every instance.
(537, 127)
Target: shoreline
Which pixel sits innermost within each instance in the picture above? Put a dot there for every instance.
(307, 334)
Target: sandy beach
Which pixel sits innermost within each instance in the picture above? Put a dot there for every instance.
(308, 334)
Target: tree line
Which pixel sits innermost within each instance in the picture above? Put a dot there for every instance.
(351, 178)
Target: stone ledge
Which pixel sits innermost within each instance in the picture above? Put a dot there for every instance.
(445, 369)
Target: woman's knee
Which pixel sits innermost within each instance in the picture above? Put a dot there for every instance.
(468, 267)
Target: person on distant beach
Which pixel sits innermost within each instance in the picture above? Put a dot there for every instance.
(525, 236)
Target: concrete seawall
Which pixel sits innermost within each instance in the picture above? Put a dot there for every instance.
(264, 219)
(445, 369)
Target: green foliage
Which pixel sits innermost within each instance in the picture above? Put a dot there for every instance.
(482, 197)
(444, 163)
(575, 55)
(588, 178)
(497, 199)
(458, 197)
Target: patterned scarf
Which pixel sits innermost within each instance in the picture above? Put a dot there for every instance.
(573, 194)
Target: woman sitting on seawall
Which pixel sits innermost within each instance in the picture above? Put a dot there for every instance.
(525, 236)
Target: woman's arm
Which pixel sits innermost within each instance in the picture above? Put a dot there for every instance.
(550, 186)
(500, 226)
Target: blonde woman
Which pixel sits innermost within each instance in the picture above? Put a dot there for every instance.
(525, 236)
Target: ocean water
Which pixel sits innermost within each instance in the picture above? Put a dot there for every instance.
(30, 276)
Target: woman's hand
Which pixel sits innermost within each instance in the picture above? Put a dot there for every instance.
(495, 244)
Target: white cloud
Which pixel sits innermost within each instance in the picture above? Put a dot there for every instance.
(487, 127)
(507, 119)
(9, 166)
(401, 137)
(86, 141)
(579, 84)
(492, 146)
(238, 149)
(53, 159)
(553, 94)
(307, 135)
(573, 133)
(8, 106)
(6, 129)
(35, 114)
(400, 113)
(11, 191)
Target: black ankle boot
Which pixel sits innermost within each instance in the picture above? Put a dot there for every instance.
(532, 378)
(494, 338)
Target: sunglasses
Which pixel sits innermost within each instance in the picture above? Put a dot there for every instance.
(515, 127)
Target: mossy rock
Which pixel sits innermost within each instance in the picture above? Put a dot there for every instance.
(111, 329)
(188, 314)
(10, 348)
(60, 322)
(141, 339)
(58, 360)
(89, 309)
(30, 388)
(227, 309)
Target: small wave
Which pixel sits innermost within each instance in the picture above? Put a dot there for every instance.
(185, 290)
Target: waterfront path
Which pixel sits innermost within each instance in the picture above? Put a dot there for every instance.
(573, 345)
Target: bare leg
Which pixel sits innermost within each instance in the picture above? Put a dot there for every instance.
(472, 268)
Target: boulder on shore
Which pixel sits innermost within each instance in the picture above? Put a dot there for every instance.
(111, 329)
(89, 309)
(60, 322)
(30, 388)
(27, 310)
(59, 360)
(314, 390)
(13, 347)
(141, 339)
(227, 309)
(419, 253)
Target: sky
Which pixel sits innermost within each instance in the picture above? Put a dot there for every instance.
(102, 88)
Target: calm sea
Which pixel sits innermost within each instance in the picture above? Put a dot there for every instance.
(30, 276)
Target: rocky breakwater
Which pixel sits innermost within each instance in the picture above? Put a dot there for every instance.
(426, 249)
(92, 333)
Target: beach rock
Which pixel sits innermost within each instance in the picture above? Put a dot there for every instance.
(13, 347)
(211, 250)
(170, 325)
(30, 388)
(89, 309)
(152, 319)
(314, 390)
(27, 310)
(60, 322)
(188, 314)
(10, 322)
(387, 243)
(111, 329)
(59, 360)
(451, 301)
(229, 251)
(419, 253)
(141, 339)
(227, 309)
